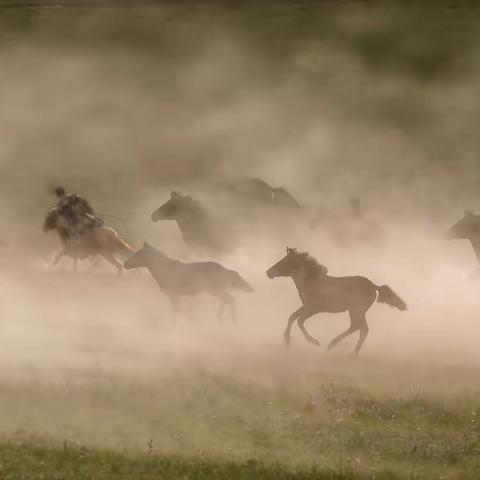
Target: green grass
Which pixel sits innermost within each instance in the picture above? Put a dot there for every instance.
(33, 460)
(202, 425)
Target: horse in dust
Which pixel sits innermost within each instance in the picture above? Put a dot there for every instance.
(178, 279)
(320, 292)
(255, 192)
(468, 228)
(103, 241)
(200, 231)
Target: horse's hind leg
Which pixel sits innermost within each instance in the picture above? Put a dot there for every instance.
(359, 320)
(113, 261)
(353, 328)
(58, 257)
(301, 325)
(291, 319)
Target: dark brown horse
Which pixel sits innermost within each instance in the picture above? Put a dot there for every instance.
(177, 279)
(468, 228)
(321, 293)
(103, 241)
(201, 232)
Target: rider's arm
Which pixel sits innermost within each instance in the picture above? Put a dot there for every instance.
(88, 208)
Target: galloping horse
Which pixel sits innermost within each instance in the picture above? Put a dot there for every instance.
(103, 241)
(256, 192)
(177, 278)
(321, 293)
(468, 228)
(198, 229)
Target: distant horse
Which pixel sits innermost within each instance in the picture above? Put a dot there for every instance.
(103, 241)
(199, 230)
(255, 191)
(468, 228)
(177, 279)
(322, 293)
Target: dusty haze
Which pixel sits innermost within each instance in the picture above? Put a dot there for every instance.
(124, 106)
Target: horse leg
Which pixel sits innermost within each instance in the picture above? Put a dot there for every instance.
(301, 325)
(353, 328)
(291, 319)
(113, 261)
(75, 264)
(226, 299)
(361, 324)
(221, 308)
(175, 307)
(58, 257)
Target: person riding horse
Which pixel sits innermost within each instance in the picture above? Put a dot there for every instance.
(76, 211)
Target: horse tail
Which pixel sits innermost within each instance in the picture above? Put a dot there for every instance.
(239, 283)
(388, 296)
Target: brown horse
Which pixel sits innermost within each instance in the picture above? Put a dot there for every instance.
(201, 231)
(103, 241)
(468, 228)
(177, 278)
(321, 293)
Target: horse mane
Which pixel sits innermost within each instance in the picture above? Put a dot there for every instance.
(190, 201)
(313, 266)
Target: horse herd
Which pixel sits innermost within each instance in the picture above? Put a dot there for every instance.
(318, 291)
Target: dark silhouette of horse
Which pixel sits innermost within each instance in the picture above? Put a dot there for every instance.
(321, 293)
(103, 241)
(177, 278)
(257, 192)
(468, 228)
(199, 230)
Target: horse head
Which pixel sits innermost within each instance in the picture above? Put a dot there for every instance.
(174, 207)
(465, 228)
(295, 261)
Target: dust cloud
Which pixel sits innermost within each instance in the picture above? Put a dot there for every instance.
(186, 108)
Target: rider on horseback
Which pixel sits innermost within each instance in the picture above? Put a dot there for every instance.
(76, 211)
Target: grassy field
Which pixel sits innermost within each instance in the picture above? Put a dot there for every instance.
(292, 424)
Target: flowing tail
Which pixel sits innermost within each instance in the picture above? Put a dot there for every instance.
(388, 296)
(239, 283)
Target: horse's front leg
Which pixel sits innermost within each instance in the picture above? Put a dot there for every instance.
(301, 324)
(226, 300)
(291, 319)
(175, 307)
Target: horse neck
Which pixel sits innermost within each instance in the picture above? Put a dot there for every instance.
(189, 222)
(160, 264)
(301, 280)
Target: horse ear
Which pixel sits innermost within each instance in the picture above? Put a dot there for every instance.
(146, 245)
(288, 250)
